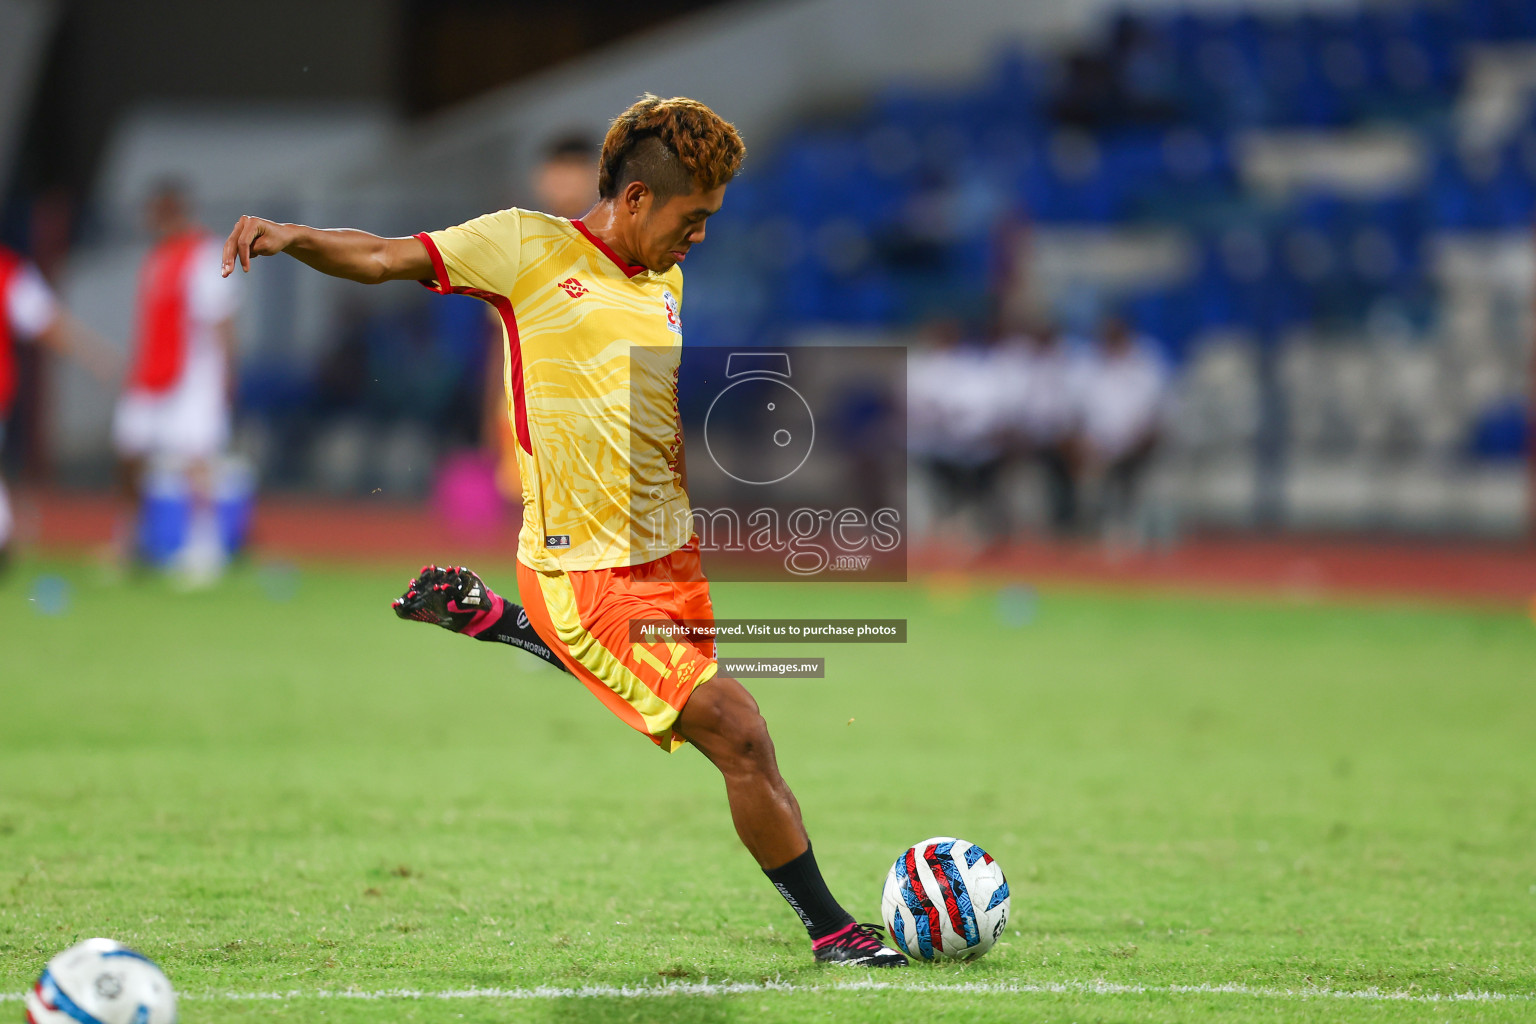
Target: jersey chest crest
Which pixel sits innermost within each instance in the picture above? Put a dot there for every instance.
(674, 318)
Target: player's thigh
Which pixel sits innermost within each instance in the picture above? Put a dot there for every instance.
(685, 598)
(698, 608)
(723, 720)
(586, 619)
(196, 424)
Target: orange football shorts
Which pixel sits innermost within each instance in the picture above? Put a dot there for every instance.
(585, 618)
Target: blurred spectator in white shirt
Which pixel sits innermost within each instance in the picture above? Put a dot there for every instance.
(1123, 393)
(1042, 377)
(954, 394)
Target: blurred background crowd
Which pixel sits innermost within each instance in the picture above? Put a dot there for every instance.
(1161, 267)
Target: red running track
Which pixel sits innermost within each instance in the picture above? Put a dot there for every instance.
(1304, 567)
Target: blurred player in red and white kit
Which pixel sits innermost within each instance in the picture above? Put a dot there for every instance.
(175, 407)
(29, 312)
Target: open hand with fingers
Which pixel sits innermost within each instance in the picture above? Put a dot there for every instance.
(252, 237)
(340, 252)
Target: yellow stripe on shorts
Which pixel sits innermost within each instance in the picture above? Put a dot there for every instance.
(560, 602)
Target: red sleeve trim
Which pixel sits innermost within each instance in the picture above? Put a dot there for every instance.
(440, 283)
(630, 269)
(503, 307)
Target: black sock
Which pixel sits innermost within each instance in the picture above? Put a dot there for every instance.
(513, 628)
(801, 885)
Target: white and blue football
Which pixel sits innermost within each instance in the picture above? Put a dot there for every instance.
(99, 981)
(945, 898)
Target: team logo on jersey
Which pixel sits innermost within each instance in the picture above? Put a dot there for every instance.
(557, 540)
(572, 287)
(674, 319)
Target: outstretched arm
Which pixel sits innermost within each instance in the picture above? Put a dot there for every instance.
(73, 339)
(339, 252)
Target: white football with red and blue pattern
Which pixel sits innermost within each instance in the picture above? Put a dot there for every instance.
(99, 981)
(945, 898)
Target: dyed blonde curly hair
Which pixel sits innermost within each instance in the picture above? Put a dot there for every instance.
(672, 146)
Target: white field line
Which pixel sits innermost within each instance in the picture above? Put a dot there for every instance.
(732, 988)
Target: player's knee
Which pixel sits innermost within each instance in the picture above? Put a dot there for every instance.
(739, 741)
(748, 739)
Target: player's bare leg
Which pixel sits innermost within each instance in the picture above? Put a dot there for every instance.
(201, 558)
(123, 549)
(130, 479)
(6, 524)
(723, 721)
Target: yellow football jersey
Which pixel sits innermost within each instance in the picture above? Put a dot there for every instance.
(592, 350)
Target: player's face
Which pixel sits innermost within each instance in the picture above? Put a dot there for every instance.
(668, 230)
(166, 214)
(565, 187)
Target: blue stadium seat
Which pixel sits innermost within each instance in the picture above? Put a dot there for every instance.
(1453, 201)
(1501, 431)
(1200, 80)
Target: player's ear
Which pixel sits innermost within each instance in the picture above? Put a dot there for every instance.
(634, 196)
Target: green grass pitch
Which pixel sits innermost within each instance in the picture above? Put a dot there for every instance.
(1209, 809)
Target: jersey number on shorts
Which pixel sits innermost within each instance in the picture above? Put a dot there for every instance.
(642, 653)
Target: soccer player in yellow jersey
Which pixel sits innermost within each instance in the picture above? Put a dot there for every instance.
(586, 306)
